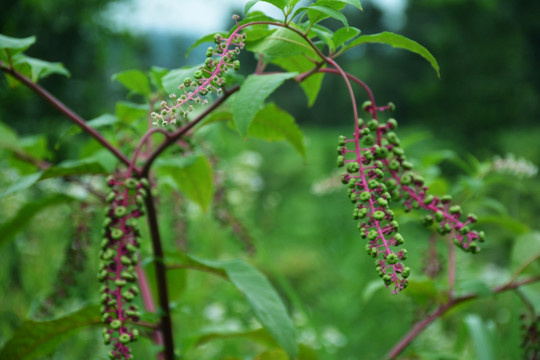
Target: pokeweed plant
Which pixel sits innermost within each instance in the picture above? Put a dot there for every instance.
(180, 102)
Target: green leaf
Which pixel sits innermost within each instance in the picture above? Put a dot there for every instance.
(511, 224)
(283, 43)
(134, 80)
(14, 45)
(480, 337)
(21, 184)
(34, 339)
(209, 38)
(73, 168)
(274, 124)
(344, 34)
(317, 13)
(38, 69)
(156, 75)
(325, 35)
(526, 248)
(129, 112)
(281, 4)
(176, 77)
(355, 3)
(18, 222)
(192, 176)
(262, 298)
(252, 95)
(300, 64)
(397, 41)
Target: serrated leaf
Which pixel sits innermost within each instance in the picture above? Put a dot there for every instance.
(344, 34)
(252, 95)
(192, 176)
(317, 13)
(35, 339)
(397, 41)
(280, 4)
(14, 45)
(38, 69)
(301, 64)
(134, 80)
(262, 298)
(283, 43)
(274, 124)
(18, 222)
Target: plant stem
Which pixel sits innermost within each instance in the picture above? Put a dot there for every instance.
(442, 309)
(161, 277)
(65, 110)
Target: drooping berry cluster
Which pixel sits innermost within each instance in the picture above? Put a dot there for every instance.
(118, 259)
(378, 172)
(370, 195)
(408, 187)
(207, 79)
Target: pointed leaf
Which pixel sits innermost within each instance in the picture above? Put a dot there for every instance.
(18, 222)
(39, 68)
(355, 3)
(14, 45)
(193, 177)
(209, 38)
(281, 4)
(274, 124)
(35, 339)
(283, 43)
(73, 168)
(23, 183)
(317, 13)
(325, 35)
(176, 77)
(397, 41)
(252, 95)
(262, 298)
(344, 34)
(301, 64)
(134, 80)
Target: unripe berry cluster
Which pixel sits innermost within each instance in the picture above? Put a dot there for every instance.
(377, 173)
(371, 199)
(121, 240)
(207, 79)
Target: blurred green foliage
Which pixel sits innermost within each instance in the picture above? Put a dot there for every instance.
(485, 104)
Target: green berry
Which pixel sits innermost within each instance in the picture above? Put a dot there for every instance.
(131, 183)
(393, 165)
(427, 220)
(406, 179)
(378, 215)
(382, 202)
(456, 209)
(124, 338)
(481, 236)
(365, 196)
(372, 235)
(120, 211)
(366, 105)
(373, 124)
(353, 167)
(392, 138)
(115, 324)
(407, 165)
(406, 272)
(428, 199)
(387, 279)
(398, 151)
(368, 140)
(341, 140)
(392, 123)
(439, 216)
(399, 239)
(446, 199)
(117, 234)
(111, 196)
(392, 259)
(340, 161)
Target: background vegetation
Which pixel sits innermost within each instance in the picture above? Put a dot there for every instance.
(486, 104)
